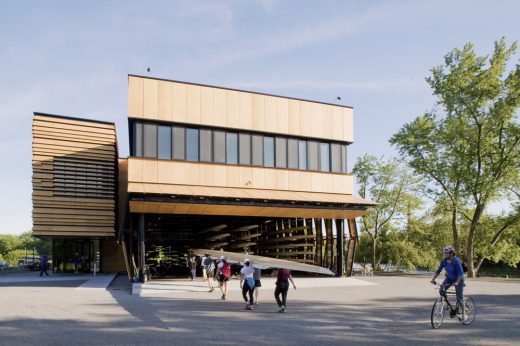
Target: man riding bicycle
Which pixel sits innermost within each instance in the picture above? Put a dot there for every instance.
(454, 276)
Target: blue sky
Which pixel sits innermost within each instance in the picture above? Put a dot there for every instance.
(73, 58)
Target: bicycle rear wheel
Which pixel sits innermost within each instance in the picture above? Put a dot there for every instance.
(437, 313)
(471, 311)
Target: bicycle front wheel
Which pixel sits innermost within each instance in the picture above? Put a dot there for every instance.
(470, 310)
(437, 313)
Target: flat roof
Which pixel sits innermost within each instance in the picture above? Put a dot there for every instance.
(240, 90)
(74, 118)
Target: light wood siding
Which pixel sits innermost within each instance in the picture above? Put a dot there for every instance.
(74, 176)
(212, 106)
(207, 174)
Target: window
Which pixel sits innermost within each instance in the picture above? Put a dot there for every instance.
(292, 153)
(335, 156)
(138, 139)
(150, 140)
(258, 150)
(164, 134)
(219, 146)
(281, 152)
(245, 148)
(302, 154)
(205, 145)
(178, 143)
(231, 148)
(343, 158)
(312, 155)
(192, 144)
(325, 157)
(268, 152)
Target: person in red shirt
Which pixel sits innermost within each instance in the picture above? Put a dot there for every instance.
(224, 274)
(282, 286)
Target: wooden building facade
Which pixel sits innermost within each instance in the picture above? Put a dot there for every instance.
(208, 166)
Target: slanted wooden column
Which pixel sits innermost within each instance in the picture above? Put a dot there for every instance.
(340, 247)
(140, 233)
(328, 243)
(319, 242)
(352, 242)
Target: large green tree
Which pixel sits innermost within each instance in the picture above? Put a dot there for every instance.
(385, 182)
(468, 146)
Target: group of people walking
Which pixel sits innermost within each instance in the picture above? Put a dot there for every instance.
(250, 280)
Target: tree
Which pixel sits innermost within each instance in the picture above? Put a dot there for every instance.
(8, 242)
(385, 183)
(468, 146)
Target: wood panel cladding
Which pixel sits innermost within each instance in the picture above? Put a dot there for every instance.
(173, 101)
(74, 177)
(209, 174)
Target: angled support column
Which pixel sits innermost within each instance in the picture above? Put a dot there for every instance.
(340, 247)
(319, 242)
(352, 244)
(141, 247)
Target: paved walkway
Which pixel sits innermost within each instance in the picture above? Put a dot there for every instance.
(393, 311)
(177, 286)
(80, 281)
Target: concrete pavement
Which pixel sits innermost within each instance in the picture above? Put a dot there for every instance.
(396, 310)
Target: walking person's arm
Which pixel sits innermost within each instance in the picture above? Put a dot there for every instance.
(290, 279)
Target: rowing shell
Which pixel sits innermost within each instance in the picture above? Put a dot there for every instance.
(264, 262)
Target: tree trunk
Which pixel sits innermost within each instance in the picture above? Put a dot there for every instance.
(455, 230)
(374, 243)
(472, 269)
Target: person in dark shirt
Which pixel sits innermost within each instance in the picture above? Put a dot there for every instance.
(43, 265)
(282, 286)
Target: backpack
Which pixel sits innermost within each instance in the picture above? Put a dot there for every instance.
(250, 282)
(226, 269)
(210, 265)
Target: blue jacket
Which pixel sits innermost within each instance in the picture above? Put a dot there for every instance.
(453, 269)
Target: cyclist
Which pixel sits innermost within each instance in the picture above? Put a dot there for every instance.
(454, 276)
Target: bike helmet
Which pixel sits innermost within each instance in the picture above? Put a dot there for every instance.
(448, 249)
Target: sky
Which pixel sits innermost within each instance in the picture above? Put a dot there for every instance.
(72, 58)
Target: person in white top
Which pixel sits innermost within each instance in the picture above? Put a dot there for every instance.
(203, 266)
(247, 283)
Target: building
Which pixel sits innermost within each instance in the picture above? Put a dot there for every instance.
(209, 167)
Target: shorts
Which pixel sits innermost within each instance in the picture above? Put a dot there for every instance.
(222, 278)
(258, 283)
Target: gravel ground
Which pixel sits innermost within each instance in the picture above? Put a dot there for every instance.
(394, 311)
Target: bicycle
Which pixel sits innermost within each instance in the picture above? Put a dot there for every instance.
(442, 305)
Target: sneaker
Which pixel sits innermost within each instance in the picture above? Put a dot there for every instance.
(283, 309)
(250, 307)
(223, 297)
(256, 303)
(247, 307)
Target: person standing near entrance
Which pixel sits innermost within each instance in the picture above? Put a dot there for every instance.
(247, 283)
(192, 264)
(210, 270)
(43, 265)
(224, 274)
(282, 286)
(76, 262)
(203, 266)
(257, 275)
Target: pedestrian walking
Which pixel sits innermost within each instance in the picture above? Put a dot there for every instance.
(203, 266)
(257, 275)
(247, 283)
(210, 271)
(192, 264)
(43, 265)
(282, 286)
(223, 277)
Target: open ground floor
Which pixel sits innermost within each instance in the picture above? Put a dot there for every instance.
(380, 310)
